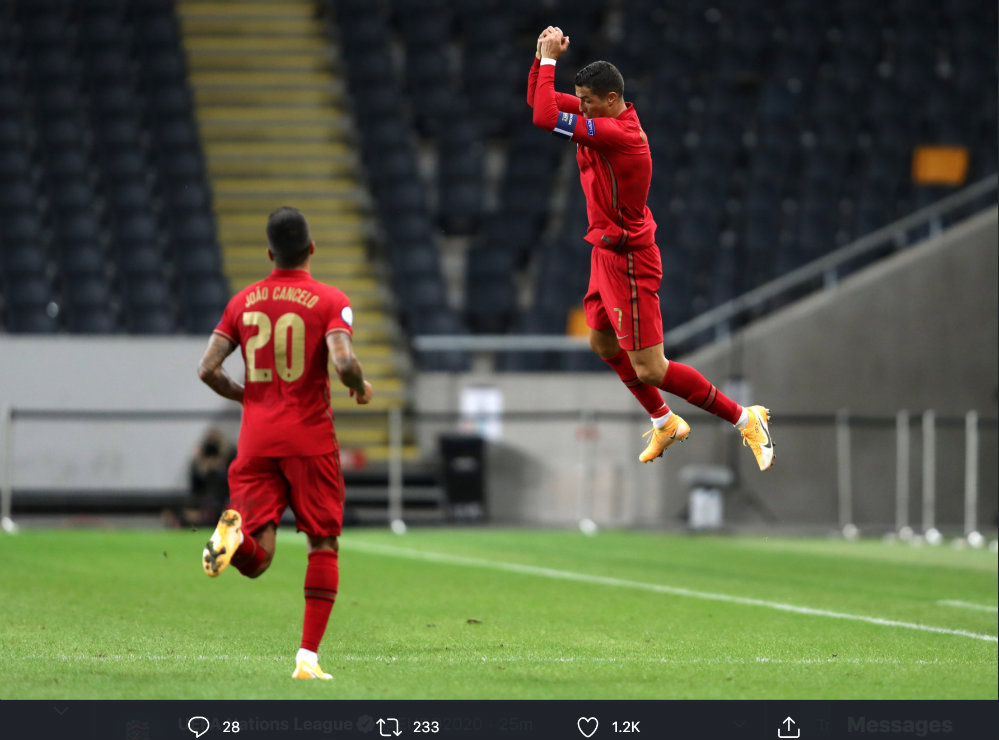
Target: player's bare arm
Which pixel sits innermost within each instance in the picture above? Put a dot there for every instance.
(212, 373)
(347, 366)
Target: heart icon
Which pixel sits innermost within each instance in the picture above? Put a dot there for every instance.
(587, 725)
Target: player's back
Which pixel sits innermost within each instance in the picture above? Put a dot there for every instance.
(281, 324)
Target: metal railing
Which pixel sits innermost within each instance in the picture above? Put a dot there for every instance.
(586, 423)
(718, 321)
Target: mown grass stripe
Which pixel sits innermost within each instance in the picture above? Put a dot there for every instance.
(565, 575)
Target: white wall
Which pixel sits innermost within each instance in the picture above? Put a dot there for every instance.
(108, 373)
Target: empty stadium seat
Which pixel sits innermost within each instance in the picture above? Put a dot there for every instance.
(82, 260)
(96, 320)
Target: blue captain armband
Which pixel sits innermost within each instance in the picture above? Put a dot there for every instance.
(565, 125)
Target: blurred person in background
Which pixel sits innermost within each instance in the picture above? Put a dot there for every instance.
(209, 476)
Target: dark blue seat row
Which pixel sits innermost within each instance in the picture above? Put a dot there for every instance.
(103, 190)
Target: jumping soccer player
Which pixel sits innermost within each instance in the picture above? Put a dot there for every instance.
(288, 325)
(622, 301)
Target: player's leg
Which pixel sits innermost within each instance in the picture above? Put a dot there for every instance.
(605, 331)
(317, 500)
(256, 552)
(322, 578)
(630, 304)
(258, 496)
(672, 428)
(752, 422)
(685, 381)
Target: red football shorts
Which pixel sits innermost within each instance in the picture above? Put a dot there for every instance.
(260, 488)
(623, 296)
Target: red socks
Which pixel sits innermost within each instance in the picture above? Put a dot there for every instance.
(250, 558)
(684, 381)
(681, 380)
(647, 395)
(322, 577)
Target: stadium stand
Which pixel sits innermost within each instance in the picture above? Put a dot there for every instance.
(100, 172)
(778, 134)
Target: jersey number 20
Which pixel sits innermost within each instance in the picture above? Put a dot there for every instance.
(289, 346)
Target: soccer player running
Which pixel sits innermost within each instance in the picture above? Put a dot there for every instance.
(622, 300)
(288, 325)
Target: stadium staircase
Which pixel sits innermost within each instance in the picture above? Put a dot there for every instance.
(269, 109)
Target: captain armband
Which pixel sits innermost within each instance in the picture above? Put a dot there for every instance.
(565, 125)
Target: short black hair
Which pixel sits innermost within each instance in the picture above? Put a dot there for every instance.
(288, 236)
(602, 78)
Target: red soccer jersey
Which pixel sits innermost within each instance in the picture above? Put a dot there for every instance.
(281, 324)
(615, 164)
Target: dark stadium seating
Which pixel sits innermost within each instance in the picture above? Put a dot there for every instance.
(779, 132)
(101, 171)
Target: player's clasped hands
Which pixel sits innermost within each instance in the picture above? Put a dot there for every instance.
(552, 43)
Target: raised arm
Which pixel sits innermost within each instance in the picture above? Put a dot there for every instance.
(564, 102)
(347, 366)
(212, 373)
(549, 105)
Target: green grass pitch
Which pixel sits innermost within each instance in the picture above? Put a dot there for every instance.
(501, 614)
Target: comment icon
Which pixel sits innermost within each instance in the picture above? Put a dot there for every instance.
(198, 725)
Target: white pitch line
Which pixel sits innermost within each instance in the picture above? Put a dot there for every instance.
(969, 605)
(566, 575)
(501, 659)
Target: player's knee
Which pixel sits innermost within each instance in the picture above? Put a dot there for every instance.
(650, 374)
(324, 543)
(603, 346)
(262, 568)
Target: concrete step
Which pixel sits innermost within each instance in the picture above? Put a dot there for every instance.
(270, 168)
(291, 79)
(263, 45)
(270, 95)
(291, 9)
(380, 454)
(348, 253)
(217, 25)
(351, 255)
(264, 203)
(329, 187)
(278, 149)
(252, 132)
(281, 115)
(207, 61)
